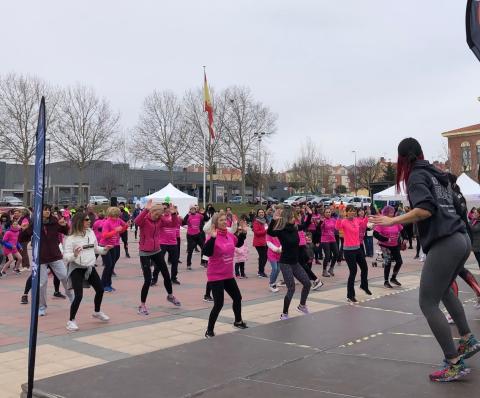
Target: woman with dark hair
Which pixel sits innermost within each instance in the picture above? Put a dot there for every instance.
(260, 241)
(79, 253)
(444, 239)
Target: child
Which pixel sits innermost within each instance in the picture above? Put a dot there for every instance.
(273, 255)
(388, 238)
(11, 248)
(241, 256)
(307, 261)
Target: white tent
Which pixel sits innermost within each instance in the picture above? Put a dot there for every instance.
(470, 190)
(391, 194)
(171, 194)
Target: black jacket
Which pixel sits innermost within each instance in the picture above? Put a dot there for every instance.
(429, 189)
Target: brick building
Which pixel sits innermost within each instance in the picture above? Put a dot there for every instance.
(464, 150)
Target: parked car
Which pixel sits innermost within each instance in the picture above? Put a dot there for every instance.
(295, 200)
(121, 199)
(235, 199)
(344, 199)
(361, 201)
(271, 199)
(99, 200)
(10, 201)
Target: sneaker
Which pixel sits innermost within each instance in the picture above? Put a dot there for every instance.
(450, 371)
(173, 300)
(366, 290)
(24, 299)
(72, 326)
(317, 284)
(42, 311)
(274, 288)
(395, 282)
(59, 295)
(262, 275)
(240, 325)
(4, 273)
(330, 271)
(142, 310)
(468, 348)
(17, 271)
(449, 319)
(101, 316)
(175, 281)
(127, 255)
(108, 289)
(209, 334)
(387, 285)
(208, 299)
(303, 309)
(283, 317)
(325, 274)
(243, 276)
(281, 284)
(352, 300)
(189, 267)
(477, 304)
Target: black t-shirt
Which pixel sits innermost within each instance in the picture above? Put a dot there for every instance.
(429, 189)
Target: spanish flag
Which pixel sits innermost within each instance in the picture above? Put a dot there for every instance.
(208, 106)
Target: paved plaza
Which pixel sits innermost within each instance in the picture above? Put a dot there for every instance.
(381, 347)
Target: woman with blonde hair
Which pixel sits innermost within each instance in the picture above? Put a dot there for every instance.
(284, 228)
(112, 228)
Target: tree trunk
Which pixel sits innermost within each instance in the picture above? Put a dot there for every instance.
(210, 181)
(170, 170)
(80, 186)
(242, 187)
(26, 198)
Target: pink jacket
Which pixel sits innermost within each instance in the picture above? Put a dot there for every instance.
(150, 231)
(194, 221)
(328, 230)
(351, 230)
(11, 237)
(170, 229)
(110, 237)
(241, 254)
(271, 255)
(259, 233)
(97, 228)
(220, 263)
(314, 222)
(392, 233)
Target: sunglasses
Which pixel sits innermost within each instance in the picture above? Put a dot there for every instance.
(86, 219)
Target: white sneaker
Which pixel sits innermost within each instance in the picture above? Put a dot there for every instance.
(42, 311)
(274, 288)
(100, 315)
(72, 326)
(477, 304)
(317, 284)
(449, 319)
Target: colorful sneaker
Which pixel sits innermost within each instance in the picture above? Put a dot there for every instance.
(468, 348)
(283, 317)
(450, 371)
(303, 309)
(108, 289)
(102, 316)
(72, 326)
(173, 300)
(208, 299)
(317, 284)
(142, 310)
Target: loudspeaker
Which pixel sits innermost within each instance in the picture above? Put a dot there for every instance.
(113, 201)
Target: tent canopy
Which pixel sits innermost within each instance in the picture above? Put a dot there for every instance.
(391, 194)
(470, 189)
(171, 194)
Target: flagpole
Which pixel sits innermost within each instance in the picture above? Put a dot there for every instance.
(204, 157)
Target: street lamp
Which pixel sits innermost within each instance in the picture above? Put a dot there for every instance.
(259, 136)
(49, 171)
(355, 172)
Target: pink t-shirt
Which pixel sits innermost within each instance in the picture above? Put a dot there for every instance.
(328, 230)
(351, 228)
(108, 227)
(193, 223)
(362, 228)
(220, 263)
(391, 232)
(170, 229)
(314, 222)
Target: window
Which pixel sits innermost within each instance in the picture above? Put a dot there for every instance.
(478, 154)
(466, 156)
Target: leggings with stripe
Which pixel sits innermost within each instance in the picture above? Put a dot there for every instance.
(289, 272)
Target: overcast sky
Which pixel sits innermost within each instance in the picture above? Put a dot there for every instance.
(350, 74)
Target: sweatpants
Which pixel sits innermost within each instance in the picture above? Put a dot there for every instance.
(331, 254)
(354, 258)
(289, 272)
(218, 287)
(443, 262)
(391, 254)
(59, 269)
(262, 258)
(146, 263)
(28, 284)
(109, 261)
(77, 276)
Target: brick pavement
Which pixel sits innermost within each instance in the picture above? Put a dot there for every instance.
(128, 333)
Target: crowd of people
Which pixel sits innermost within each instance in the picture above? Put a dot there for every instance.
(291, 239)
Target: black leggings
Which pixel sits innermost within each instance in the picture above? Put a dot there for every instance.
(262, 258)
(218, 287)
(28, 284)
(124, 237)
(172, 251)
(77, 276)
(391, 254)
(146, 263)
(354, 258)
(331, 254)
(109, 261)
(290, 272)
(192, 242)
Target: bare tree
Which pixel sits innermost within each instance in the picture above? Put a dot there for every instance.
(369, 170)
(245, 119)
(19, 103)
(310, 167)
(161, 133)
(86, 129)
(197, 125)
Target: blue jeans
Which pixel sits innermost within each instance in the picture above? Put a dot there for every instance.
(274, 273)
(368, 240)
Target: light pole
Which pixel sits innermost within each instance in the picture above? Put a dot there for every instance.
(355, 172)
(49, 171)
(259, 136)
